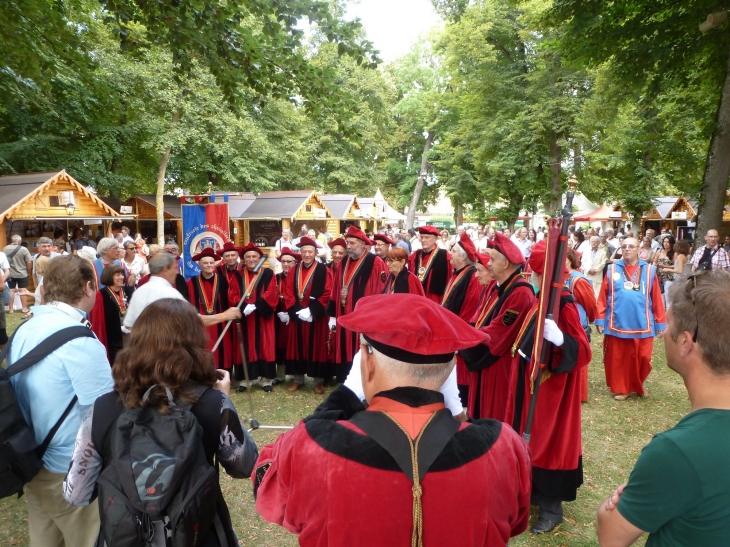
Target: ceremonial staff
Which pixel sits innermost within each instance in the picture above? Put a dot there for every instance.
(550, 288)
(245, 295)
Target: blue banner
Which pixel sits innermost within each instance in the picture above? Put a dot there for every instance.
(203, 226)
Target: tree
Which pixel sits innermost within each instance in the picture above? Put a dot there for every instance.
(658, 46)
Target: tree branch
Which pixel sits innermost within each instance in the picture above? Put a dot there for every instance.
(500, 47)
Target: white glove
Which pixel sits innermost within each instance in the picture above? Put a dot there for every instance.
(354, 380)
(305, 315)
(283, 317)
(249, 309)
(451, 394)
(552, 333)
(333, 323)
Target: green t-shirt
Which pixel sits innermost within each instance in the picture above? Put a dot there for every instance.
(679, 490)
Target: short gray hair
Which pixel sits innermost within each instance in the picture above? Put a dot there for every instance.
(45, 241)
(159, 262)
(459, 250)
(16, 238)
(409, 373)
(105, 244)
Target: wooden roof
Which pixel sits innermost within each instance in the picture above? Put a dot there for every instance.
(280, 205)
(21, 196)
(342, 206)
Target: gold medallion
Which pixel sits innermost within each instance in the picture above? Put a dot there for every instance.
(301, 297)
(628, 285)
(421, 273)
(343, 295)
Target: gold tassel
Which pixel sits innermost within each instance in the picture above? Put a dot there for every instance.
(417, 536)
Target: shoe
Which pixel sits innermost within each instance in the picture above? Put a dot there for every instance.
(319, 389)
(543, 526)
(276, 382)
(621, 396)
(645, 395)
(295, 386)
(241, 389)
(268, 389)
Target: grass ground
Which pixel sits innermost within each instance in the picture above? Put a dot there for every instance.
(613, 435)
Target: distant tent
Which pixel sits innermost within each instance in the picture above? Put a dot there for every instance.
(602, 214)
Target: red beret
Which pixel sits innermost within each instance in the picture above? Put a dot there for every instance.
(332, 243)
(250, 247)
(483, 259)
(304, 241)
(537, 258)
(229, 246)
(357, 233)
(383, 237)
(429, 230)
(286, 251)
(206, 252)
(415, 329)
(504, 245)
(468, 245)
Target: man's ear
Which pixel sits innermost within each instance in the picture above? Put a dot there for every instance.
(368, 364)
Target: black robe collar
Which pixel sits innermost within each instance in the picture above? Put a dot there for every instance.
(412, 396)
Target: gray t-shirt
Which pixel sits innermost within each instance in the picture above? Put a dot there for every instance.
(19, 262)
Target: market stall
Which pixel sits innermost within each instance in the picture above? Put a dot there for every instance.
(346, 212)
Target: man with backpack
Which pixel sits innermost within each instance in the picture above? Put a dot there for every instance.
(56, 392)
(710, 256)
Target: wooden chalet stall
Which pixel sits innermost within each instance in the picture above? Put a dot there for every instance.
(379, 213)
(345, 211)
(271, 212)
(657, 217)
(681, 218)
(238, 204)
(36, 204)
(606, 215)
(144, 206)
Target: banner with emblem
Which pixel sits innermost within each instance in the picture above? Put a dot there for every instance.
(205, 224)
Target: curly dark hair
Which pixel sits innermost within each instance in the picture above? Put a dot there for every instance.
(168, 347)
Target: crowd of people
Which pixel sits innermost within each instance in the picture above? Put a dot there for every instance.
(429, 336)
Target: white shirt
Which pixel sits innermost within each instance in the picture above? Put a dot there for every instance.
(155, 289)
(4, 265)
(137, 267)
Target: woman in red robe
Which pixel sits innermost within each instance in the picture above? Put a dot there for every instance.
(207, 293)
(400, 279)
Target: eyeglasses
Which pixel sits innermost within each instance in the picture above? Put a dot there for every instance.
(693, 279)
(131, 248)
(627, 247)
(288, 261)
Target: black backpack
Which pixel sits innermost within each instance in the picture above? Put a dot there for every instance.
(20, 456)
(157, 487)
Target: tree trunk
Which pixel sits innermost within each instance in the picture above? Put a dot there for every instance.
(717, 169)
(159, 201)
(556, 186)
(458, 214)
(421, 181)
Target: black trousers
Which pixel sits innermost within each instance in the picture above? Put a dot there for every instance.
(550, 508)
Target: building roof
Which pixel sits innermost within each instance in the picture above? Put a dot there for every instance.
(238, 203)
(171, 204)
(338, 204)
(664, 205)
(276, 205)
(15, 189)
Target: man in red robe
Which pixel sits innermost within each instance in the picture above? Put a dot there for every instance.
(630, 313)
(461, 297)
(208, 293)
(398, 472)
(288, 259)
(382, 245)
(431, 264)
(338, 250)
(555, 442)
(306, 295)
(357, 275)
(259, 334)
(231, 269)
(501, 310)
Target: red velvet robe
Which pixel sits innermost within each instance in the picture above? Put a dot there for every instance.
(555, 443)
(282, 329)
(437, 274)
(333, 485)
(224, 354)
(307, 346)
(258, 327)
(232, 297)
(462, 297)
(490, 365)
(404, 282)
(368, 280)
(584, 295)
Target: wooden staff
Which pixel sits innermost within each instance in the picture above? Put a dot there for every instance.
(228, 325)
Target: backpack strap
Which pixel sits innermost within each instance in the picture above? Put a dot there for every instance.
(45, 348)
(41, 450)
